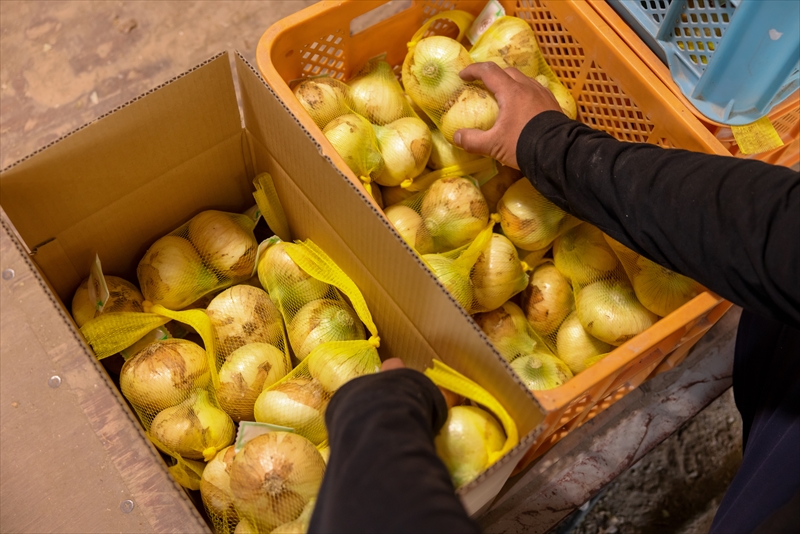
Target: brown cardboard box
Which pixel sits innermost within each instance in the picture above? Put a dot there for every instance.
(116, 185)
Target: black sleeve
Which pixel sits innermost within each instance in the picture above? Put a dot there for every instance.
(731, 224)
(383, 474)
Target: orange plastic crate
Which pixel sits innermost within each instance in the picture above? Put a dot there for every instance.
(615, 92)
(785, 117)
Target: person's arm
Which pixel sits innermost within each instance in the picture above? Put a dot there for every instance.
(384, 474)
(731, 224)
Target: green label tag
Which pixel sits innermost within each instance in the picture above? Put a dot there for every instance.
(98, 289)
(254, 213)
(491, 12)
(251, 429)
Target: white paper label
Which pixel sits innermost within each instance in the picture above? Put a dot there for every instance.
(98, 289)
(251, 429)
(491, 12)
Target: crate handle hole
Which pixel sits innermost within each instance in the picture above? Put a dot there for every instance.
(377, 15)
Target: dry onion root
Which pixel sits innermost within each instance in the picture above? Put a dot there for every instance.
(321, 321)
(122, 297)
(454, 212)
(227, 249)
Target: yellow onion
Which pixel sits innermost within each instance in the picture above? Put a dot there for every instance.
(244, 314)
(583, 256)
(274, 477)
(508, 42)
(405, 146)
(409, 225)
(576, 347)
(466, 440)
(456, 283)
(122, 297)
(377, 95)
(395, 195)
(430, 72)
(471, 107)
(321, 321)
(286, 283)
(547, 300)
(298, 403)
(660, 290)
(541, 371)
(565, 100)
(249, 370)
(353, 138)
(299, 525)
(195, 429)
(609, 311)
(172, 273)
(324, 99)
(508, 330)
(444, 154)
(228, 249)
(497, 274)
(528, 219)
(215, 488)
(334, 366)
(454, 212)
(163, 374)
(494, 189)
(245, 527)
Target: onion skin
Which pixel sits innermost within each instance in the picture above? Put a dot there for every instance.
(242, 315)
(333, 368)
(324, 99)
(273, 477)
(377, 95)
(458, 285)
(411, 228)
(430, 72)
(122, 297)
(172, 274)
(321, 321)
(471, 107)
(163, 374)
(228, 249)
(528, 219)
(215, 488)
(354, 140)
(583, 256)
(249, 370)
(576, 347)
(547, 300)
(454, 212)
(497, 274)
(405, 146)
(444, 154)
(660, 290)
(298, 403)
(610, 312)
(286, 283)
(496, 187)
(466, 440)
(540, 372)
(508, 42)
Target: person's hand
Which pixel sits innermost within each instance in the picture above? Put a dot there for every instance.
(449, 397)
(519, 98)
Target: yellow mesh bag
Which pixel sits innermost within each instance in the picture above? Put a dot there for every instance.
(324, 98)
(471, 440)
(376, 94)
(494, 188)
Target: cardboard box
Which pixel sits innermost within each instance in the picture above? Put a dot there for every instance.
(116, 185)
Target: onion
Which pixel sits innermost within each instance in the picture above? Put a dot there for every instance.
(227, 248)
(471, 107)
(273, 477)
(547, 300)
(508, 330)
(377, 94)
(395, 195)
(497, 274)
(508, 42)
(299, 525)
(494, 189)
(457, 284)
(583, 256)
(444, 154)
(244, 314)
(172, 273)
(430, 72)
(245, 527)
(324, 99)
(454, 212)
(405, 147)
(298, 403)
(249, 370)
(660, 290)
(609, 311)
(162, 374)
(576, 347)
(409, 225)
(194, 429)
(321, 321)
(528, 219)
(466, 440)
(353, 138)
(187, 473)
(565, 100)
(215, 488)
(122, 297)
(285, 281)
(541, 371)
(333, 368)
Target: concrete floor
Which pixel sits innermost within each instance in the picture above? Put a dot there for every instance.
(63, 64)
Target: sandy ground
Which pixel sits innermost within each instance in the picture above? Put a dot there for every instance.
(66, 63)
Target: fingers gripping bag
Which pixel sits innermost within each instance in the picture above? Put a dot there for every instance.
(529, 356)
(476, 436)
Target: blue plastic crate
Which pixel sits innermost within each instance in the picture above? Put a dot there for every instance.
(733, 59)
